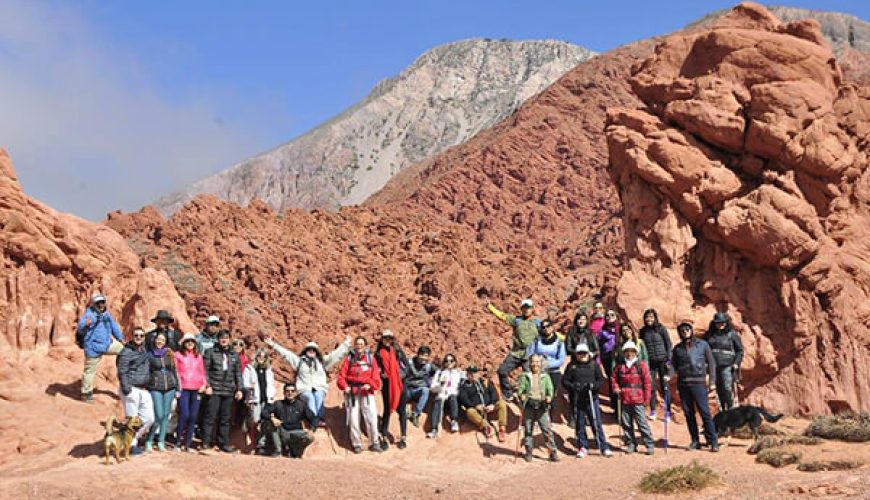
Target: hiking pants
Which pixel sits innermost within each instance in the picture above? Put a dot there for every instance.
(632, 414)
(138, 403)
(362, 406)
(314, 399)
(480, 421)
(188, 407)
(505, 369)
(541, 416)
(219, 408)
(294, 441)
(91, 365)
(657, 372)
(402, 410)
(692, 396)
(589, 412)
(438, 410)
(724, 386)
(421, 396)
(162, 401)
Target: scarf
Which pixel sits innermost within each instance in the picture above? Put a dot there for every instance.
(158, 353)
(390, 367)
(630, 362)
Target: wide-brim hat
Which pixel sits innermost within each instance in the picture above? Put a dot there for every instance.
(311, 345)
(164, 315)
(188, 336)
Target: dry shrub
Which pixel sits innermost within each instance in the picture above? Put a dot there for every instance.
(825, 465)
(692, 477)
(847, 426)
(764, 429)
(778, 457)
(772, 442)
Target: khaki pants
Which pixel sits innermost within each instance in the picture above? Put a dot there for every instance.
(359, 406)
(91, 365)
(479, 420)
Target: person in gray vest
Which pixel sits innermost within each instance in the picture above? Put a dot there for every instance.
(693, 361)
(728, 353)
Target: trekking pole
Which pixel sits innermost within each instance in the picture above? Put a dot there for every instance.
(520, 431)
(735, 385)
(667, 405)
(594, 419)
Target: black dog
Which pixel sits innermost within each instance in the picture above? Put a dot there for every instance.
(729, 421)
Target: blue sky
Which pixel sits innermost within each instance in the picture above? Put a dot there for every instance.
(110, 104)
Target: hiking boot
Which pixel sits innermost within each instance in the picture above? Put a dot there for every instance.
(385, 444)
(402, 444)
(582, 452)
(528, 456)
(502, 436)
(88, 397)
(135, 451)
(356, 449)
(228, 449)
(650, 450)
(148, 447)
(652, 415)
(375, 448)
(415, 420)
(554, 456)
(454, 426)
(714, 447)
(432, 435)
(607, 453)
(161, 446)
(694, 445)
(488, 431)
(630, 449)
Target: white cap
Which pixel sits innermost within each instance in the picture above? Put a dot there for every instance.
(629, 345)
(526, 303)
(212, 319)
(188, 336)
(388, 333)
(582, 348)
(97, 297)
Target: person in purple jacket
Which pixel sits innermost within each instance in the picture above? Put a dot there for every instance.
(607, 340)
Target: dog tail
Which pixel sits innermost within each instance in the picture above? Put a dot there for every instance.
(769, 417)
(110, 425)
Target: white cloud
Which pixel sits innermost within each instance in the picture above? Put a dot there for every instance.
(88, 131)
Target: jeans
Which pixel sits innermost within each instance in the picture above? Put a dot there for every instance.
(657, 372)
(507, 366)
(139, 403)
(162, 406)
(314, 399)
(584, 412)
(219, 407)
(91, 365)
(402, 410)
(188, 408)
(635, 414)
(695, 395)
(541, 416)
(421, 396)
(724, 386)
(438, 409)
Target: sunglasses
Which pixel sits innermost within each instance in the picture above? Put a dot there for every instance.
(450, 361)
(138, 335)
(611, 315)
(238, 344)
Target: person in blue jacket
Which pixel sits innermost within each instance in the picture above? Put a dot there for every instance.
(549, 346)
(99, 334)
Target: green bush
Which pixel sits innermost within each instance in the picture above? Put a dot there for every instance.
(847, 426)
(692, 477)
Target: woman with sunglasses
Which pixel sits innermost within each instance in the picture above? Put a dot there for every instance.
(607, 342)
(240, 408)
(445, 386)
(596, 321)
(163, 386)
(259, 382)
(551, 348)
(191, 378)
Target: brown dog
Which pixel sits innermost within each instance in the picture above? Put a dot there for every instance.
(122, 438)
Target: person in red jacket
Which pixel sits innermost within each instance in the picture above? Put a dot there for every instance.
(359, 378)
(631, 383)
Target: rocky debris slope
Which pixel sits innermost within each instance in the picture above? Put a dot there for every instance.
(51, 262)
(449, 94)
(745, 188)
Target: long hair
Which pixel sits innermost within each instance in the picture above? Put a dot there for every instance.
(169, 352)
(183, 350)
(267, 364)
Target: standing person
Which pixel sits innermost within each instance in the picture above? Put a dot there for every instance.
(239, 411)
(693, 361)
(607, 339)
(551, 349)
(596, 322)
(394, 367)
(224, 374)
(258, 380)
(583, 378)
(658, 346)
(192, 382)
(525, 329)
(359, 377)
(208, 337)
(580, 333)
(536, 393)
(627, 334)
(479, 399)
(163, 386)
(728, 353)
(445, 386)
(287, 417)
(417, 381)
(98, 334)
(134, 374)
(631, 382)
(311, 368)
(163, 322)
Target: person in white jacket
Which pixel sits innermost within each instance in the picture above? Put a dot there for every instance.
(258, 379)
(445, 386)
(311, 366)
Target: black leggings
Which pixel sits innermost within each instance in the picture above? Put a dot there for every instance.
(658, 370)
(402, 411)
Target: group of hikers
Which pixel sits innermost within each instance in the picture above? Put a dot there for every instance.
(214, 385)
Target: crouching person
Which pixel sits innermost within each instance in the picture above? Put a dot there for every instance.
(631, 383)
(479, 399)
(289, 435)
(536, 394)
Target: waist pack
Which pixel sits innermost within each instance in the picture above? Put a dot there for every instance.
(535, 404)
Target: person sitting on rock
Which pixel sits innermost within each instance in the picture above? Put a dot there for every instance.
(163, 321)
(287, 417)
(312, 368)
(536, 392)
(394, 366)
(479, 399)
(259, 382)
(631, 383)
(693, 361)
(583, 378)
(100, 335)
(658, 343)
(224, 374)
(728, 353)
(417, 381)
(359, 378)
(134, 375)
(525, 330)
(445, 386)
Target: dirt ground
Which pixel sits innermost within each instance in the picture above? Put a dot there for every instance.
(51, 446)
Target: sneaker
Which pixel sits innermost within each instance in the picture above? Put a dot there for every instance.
(402, 444)
(357, 449)
(714, 447)
(488, 431)
(135, 451)
(385, 444)
(375, 448)
(148, 447)
(454, 426)
(528, 456)
(432, 435)
(88, 397)
(630, 449)
(694, 445)
(652, 415)
(554, 456)
(607, 453)
(228, 449)
(275, 454)
(161, 446)
(582, 452)
(415, 420)
(650, 450)
(502, 436)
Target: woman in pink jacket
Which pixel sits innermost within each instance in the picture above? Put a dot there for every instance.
(191, 377)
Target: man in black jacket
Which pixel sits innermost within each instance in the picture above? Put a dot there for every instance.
(693, 361)
(479, 399)
(223, 371)
(417, 382)
(583, 378)
(658, 347)
(287, 416)
(134, 375)
(728, 353)
(163, 321)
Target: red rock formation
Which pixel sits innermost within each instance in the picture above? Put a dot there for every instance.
(745, 189)
(51, 262)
